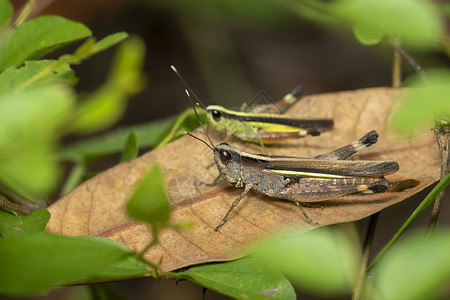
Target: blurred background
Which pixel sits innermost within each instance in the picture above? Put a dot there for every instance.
(228, 51)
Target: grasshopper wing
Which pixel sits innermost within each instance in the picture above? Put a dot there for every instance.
(317, 168)
(310, 180)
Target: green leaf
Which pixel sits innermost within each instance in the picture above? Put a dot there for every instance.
(147, 134)
(128, 65)
(31, 123)
(74, 177)
(38, 37)
(6, 11)
(316, 11)
(445, 7)
(125, 267)
(151, 134)
(418, 267)
(424, 103)
(150, 203)
(105, 106)
(12, 225)
(416, 22)
(368, 34)
(323, 261)
(246, 278)
(99, 110)
(131, 148)
(90, 47)
(34, 263)
(109, 41)
(34, 74)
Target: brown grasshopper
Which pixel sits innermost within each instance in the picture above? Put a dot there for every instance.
(298, 179)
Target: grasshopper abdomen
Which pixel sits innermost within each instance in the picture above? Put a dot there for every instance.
(316, 189)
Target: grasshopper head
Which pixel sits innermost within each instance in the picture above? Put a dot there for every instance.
(216, 116)
(228, 161)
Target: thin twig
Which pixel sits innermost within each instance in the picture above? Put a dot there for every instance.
(15, 207)
(154, 241)
(19, 200)
(396, 65)
(443, 140)
(411, 61)
(367, 249)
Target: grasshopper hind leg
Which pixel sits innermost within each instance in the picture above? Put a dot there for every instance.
(342, 153)
(379, 186)
(299, 205)
(314, 131)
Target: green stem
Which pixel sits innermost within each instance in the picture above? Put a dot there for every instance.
(367, 249)
(154, 241)
(25, 13)
(74, 178)
(421, 208)
(175, 128)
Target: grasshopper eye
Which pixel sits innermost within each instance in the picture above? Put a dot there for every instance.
(225, 155)
(216, 115)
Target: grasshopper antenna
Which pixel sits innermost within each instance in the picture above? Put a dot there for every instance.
(201, 124)
(188, 88)
(197, 138)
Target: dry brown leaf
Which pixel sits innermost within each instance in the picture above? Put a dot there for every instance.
(97, 207)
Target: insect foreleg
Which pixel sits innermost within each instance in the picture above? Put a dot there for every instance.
(263, 147)
(236, 202)
(213, 183)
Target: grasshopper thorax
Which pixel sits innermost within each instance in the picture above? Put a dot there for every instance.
(228, 161)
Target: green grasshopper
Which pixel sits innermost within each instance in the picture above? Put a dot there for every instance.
(262, 127)
(298, 179)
